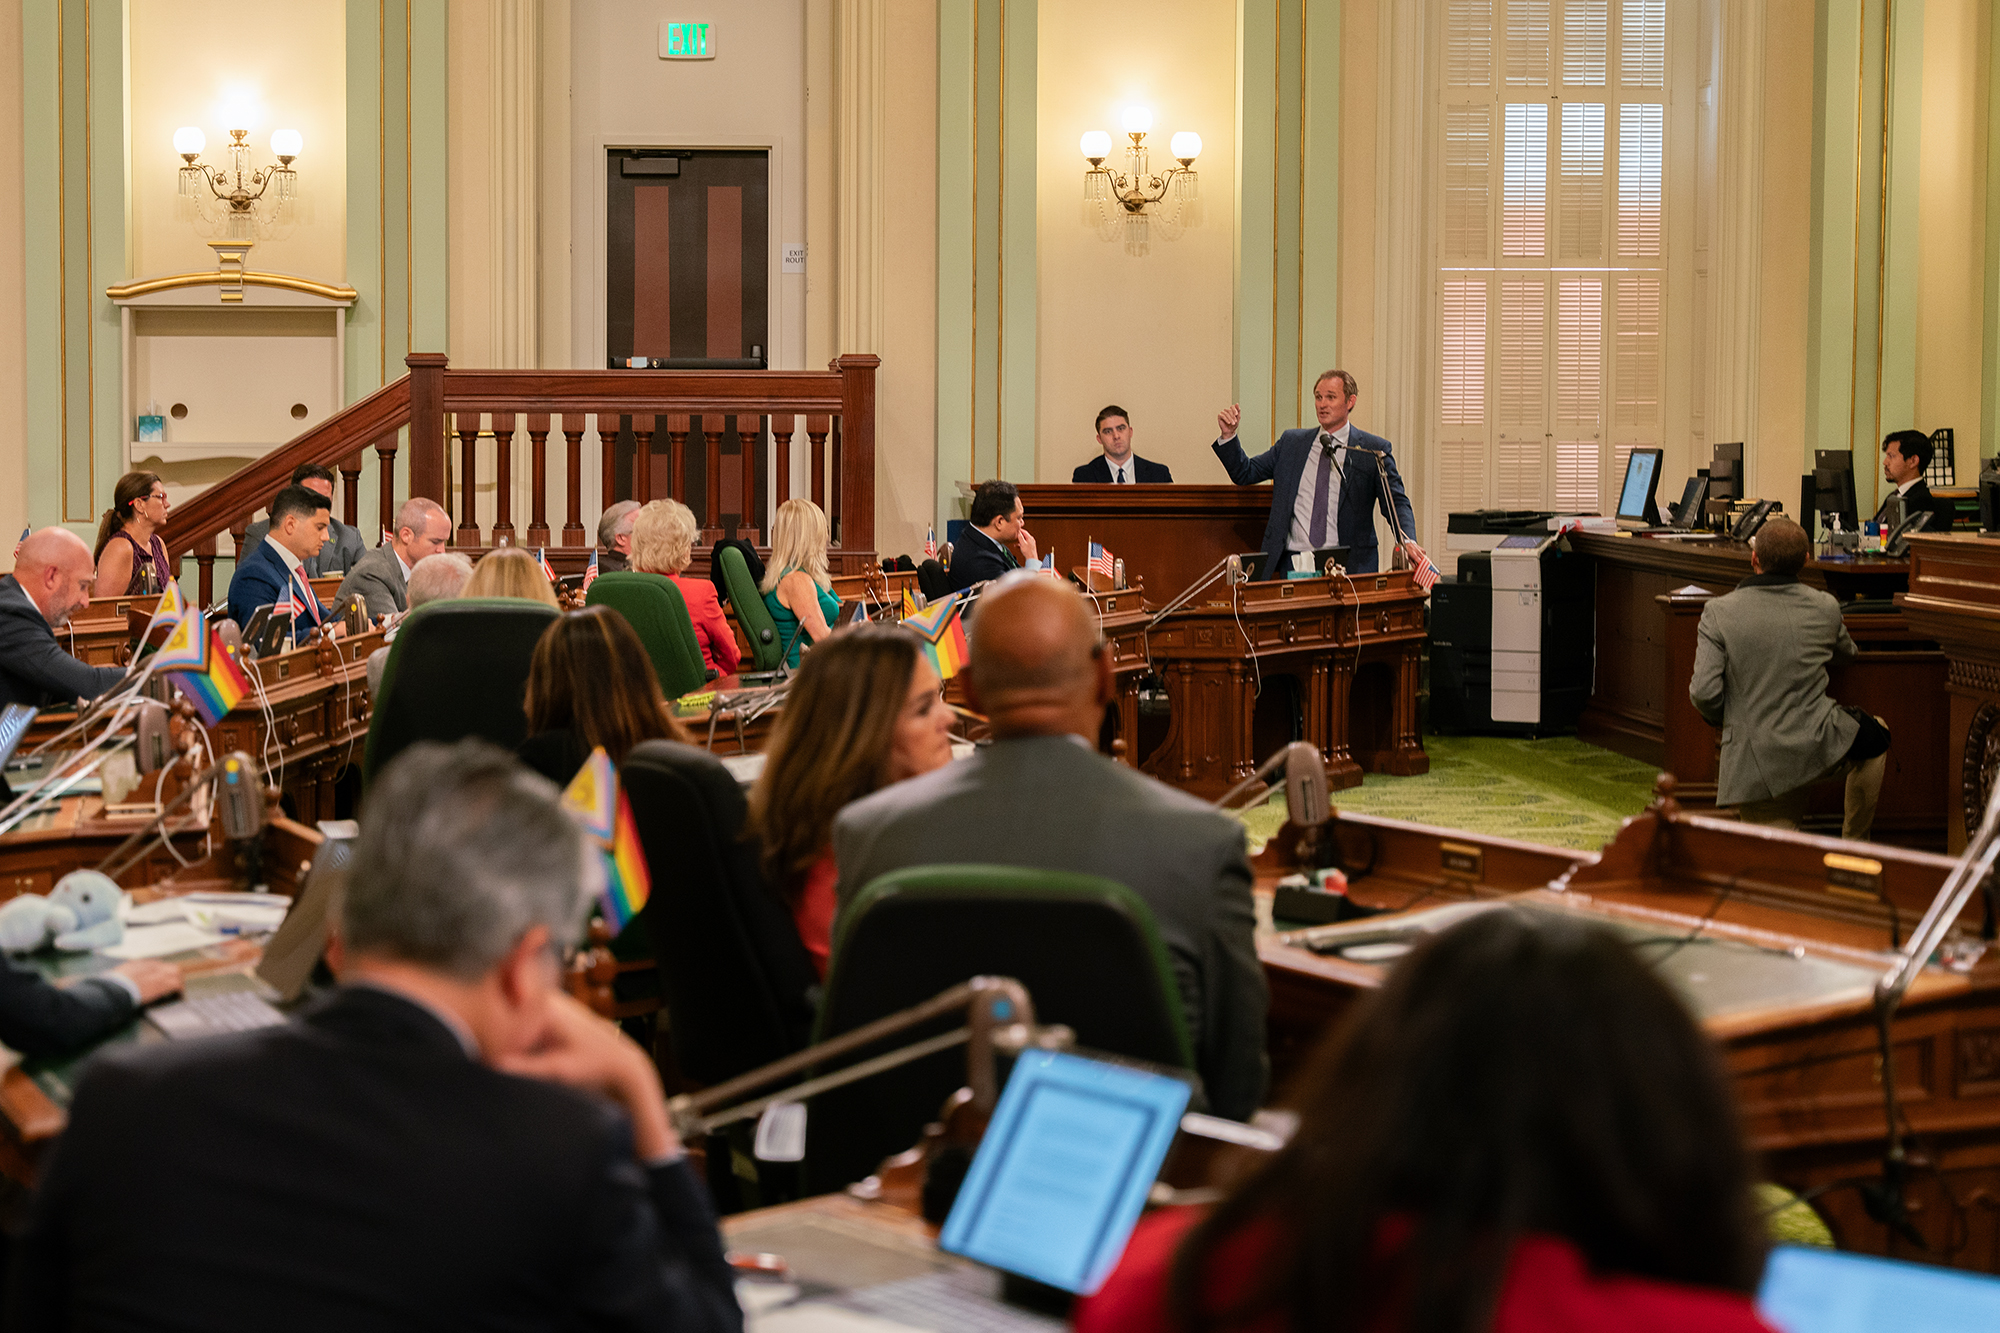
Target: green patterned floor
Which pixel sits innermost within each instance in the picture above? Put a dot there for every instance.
(1559, 792)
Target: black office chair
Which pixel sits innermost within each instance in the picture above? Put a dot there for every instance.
(1086, 948)
(458, 668)
(933, 581)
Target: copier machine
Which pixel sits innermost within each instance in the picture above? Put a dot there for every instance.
(1512, 648)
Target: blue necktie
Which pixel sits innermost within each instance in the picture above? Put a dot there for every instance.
(1316, 530)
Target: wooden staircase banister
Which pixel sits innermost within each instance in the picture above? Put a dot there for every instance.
(651, 392)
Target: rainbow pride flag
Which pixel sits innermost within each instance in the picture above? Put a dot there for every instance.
(598, 802)
(942, 630)
(216, 686)
(186, 649)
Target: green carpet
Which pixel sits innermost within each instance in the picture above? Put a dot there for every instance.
(1559, 792)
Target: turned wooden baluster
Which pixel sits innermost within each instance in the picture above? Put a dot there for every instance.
(236, 531)
(204, 560)
(816, 429)
(466, 426)
(385, 472)
(833, 513)
(642, 458)
(503, 475)
(350, 489)
(711, 514)
(607, 446)
(751, 442)
(677, 434)
(572, 429)
(538, 478)
(782, 429)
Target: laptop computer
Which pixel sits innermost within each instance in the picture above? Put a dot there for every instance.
(1808, 1290)
(15, 719)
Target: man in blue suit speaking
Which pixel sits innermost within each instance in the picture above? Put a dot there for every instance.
(1328, 482)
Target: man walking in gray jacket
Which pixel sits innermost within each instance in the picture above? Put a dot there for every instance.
(1760, 674)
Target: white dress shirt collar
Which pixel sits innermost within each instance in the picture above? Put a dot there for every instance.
(293, 565)
(400, 563)
(1903, 488)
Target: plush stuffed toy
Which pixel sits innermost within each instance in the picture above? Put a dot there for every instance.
(79, 915)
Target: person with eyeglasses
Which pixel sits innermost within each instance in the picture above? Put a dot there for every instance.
(131, 558)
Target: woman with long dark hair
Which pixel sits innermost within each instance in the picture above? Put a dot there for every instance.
(865, 710)
(131, 558)
(1522, 1130)
(590, 683)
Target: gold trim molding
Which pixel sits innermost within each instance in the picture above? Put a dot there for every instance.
(283, 281)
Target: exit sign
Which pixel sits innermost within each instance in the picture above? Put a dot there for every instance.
(687, 41)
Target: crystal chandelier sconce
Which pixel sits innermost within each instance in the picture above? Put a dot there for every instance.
(1127, 201)
(237, 184)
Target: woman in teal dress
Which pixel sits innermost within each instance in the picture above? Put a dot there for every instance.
(797, 588)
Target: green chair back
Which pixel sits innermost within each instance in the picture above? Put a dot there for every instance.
(458, 668)
(654, 608)
(1086, 948)
(766, 652)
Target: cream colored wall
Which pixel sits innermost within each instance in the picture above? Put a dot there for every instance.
(13, 299)
(1778, 451)
(189, 60)
(906, 392)
(1360, 76)
(1951, 217)
(1150, 334)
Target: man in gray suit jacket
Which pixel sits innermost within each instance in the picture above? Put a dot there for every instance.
(382, 577)
(1760, 674)
(344, 547)
(1042, 796)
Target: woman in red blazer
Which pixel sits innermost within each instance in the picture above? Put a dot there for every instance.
(663, 534)
(1522, 1130)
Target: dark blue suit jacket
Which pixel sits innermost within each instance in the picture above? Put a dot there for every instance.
(1144, 471)
(977, 558)
(1361, 493)
(34, 669)
(259, 581)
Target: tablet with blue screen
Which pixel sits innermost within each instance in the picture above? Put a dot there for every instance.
(1827, 1291)
(1064, 1168)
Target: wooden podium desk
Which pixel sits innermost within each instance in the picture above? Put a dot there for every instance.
(1954, 597)
(1171, 534)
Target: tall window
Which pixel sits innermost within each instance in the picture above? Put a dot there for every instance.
(1551, 249)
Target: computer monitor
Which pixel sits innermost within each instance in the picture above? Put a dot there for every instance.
(1808, 1290)
(14, 722)
(1725, 473)
(1064, 1168)
(1694, 499)
(1635, 498)
(1833, 496)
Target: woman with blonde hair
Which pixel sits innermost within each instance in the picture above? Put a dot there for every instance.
(591, 683)
(663, 536)
(131, 558)
(510, 572)
(865, 711)
(797, 588)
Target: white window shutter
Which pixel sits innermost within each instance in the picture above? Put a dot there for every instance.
(1641, 167)
(1580, 220)
(1464, 359)
(1586, 42)
(1578, 414)
(1636, 365)
(1468, 183)
(1525, 169)
(1643, 44)
(1468, 44)
(1528, 46)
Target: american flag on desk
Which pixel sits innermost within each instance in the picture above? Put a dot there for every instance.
(1422, 572)
(930, 543)
(1100, 561)
(590, 574)
(542, 559)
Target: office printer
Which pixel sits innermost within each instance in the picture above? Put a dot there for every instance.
(1512, 638)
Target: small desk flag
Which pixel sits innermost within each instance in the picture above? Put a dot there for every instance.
(542, 559)
(214, 687)
(1422, 572)
(1101, 561)
(598, 802)
(590, 574)
(942, 631)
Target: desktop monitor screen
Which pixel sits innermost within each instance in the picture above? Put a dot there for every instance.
(1726, 472)
(1694, 499)
(1635, 497)
(14, 720)
(1825, 1291)
(1065, 1166)
(1833, 494)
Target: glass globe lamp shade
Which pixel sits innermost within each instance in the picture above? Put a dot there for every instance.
(189, 141)
(1138, 120)
(1096, 145)
(1187, 145)
(289, 143)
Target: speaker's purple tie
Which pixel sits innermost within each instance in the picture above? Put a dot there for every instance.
(1316, 530)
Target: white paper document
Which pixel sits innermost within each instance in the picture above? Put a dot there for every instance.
(159, 941)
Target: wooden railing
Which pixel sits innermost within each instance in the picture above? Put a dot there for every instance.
(675, 421)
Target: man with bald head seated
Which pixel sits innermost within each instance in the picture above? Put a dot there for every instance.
(52, 579)
(1041, 796)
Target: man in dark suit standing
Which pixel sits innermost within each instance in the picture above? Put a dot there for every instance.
(1041, 796)
(52, 579)
(344, 547)
(1906, 456)
(382, 577)
(1118, 465)
(446, 1141)
(299, 520)
(982, 553)
(1328, 482)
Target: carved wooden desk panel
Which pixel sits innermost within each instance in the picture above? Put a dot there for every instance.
(1168, 535)
(1954, 597)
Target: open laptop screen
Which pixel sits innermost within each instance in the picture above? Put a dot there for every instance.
(14, 722)
(1826, 1291)
(1064, 1168)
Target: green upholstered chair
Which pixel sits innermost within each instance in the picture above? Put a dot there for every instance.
(766, 653)
(1086, 948)
(458, 668)
(654, 608)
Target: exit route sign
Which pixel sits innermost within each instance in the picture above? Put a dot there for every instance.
(687, 41)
